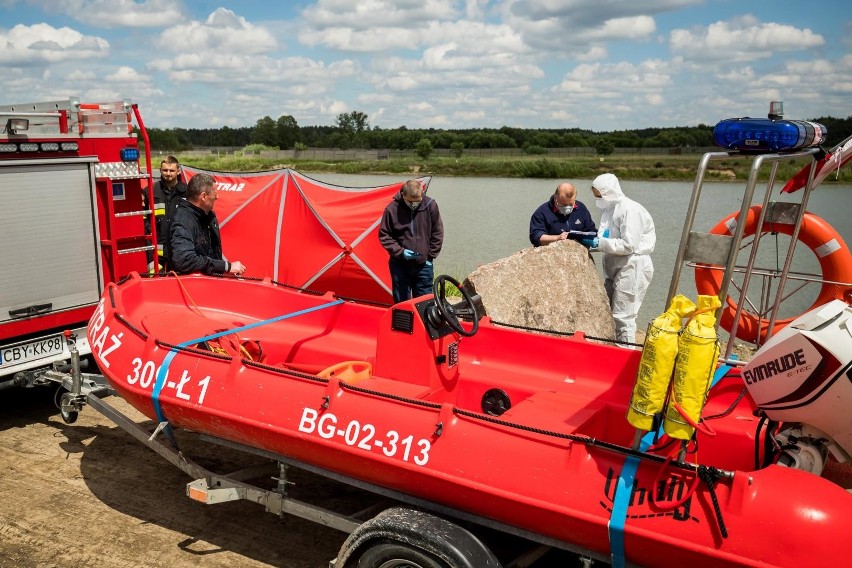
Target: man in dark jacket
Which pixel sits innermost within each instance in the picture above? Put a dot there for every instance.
(195, 240)
(561, 218)
(412, 232)
(167, 193)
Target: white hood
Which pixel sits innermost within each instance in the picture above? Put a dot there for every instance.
(609, 188)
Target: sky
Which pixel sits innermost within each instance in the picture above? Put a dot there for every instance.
(601, 65)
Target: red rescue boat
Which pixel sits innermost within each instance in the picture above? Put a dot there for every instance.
(527, 429)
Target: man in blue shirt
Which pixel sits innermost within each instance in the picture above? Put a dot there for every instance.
(561, 218)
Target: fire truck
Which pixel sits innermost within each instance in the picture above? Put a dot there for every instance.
(72, 219)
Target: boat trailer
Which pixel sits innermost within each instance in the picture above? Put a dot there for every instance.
(396, 526)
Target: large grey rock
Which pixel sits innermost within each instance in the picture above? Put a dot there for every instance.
(551, 287)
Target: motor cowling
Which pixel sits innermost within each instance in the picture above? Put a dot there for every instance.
(802, 377)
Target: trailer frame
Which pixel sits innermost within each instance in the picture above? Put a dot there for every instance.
(401, 519)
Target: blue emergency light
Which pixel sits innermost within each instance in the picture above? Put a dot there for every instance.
(767, 134)
(129, 154)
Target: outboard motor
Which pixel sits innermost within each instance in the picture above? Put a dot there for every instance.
(802, 377)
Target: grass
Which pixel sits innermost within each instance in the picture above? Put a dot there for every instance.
(626, 166)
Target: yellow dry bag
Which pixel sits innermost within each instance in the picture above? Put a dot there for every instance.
(698, 352)
(658, 360)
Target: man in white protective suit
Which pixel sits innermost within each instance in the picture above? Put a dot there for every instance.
(626, 237)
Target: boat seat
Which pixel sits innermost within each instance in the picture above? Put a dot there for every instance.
(549, 410)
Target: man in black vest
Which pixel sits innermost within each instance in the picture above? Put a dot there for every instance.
(167, 192)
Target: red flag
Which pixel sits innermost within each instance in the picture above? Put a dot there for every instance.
(833, 161)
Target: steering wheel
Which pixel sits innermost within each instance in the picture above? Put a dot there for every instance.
(450, 313)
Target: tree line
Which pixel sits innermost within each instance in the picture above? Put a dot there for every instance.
(353, 130)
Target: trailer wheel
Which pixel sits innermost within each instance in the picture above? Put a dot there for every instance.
(65, 405)
(401, 537)
(397, 555)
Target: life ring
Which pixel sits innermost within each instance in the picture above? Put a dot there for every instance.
(834, 258)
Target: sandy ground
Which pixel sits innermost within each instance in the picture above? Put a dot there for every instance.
(88, 494)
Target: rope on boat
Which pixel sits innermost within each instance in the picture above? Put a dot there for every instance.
(563, 333)
(142, 335)
(707, 475)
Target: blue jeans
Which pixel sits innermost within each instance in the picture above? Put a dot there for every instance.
(410, 279)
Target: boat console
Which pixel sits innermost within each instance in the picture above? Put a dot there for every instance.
(418, 340)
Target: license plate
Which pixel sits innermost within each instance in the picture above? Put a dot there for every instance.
(30, 351)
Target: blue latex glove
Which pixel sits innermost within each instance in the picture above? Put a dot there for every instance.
(605, 233)
(590, 243)
(409, 254)
(428, 263)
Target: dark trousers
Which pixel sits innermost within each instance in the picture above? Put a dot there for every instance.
(410, 279)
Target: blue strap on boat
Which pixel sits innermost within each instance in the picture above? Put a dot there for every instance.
(620, 502)
(625, 487)
(721, 371)
(167, 361)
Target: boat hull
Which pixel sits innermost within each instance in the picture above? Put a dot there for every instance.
(416, 425)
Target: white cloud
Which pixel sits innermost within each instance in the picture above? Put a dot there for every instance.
(369, 27)
(241, 73)
(465, 38)
(127, 75)
(593, 54)
(591, 13)
(116, 13)
(42, 43)
(475, 9)
(741, 39)
(550, 35)
(374, 98)
(554, 26)
(617, 80)
(655, 99)
(598, 64)
(470, 117)
(365, 41)
(821, 82)
(222, 33)
(369, 14)
(79, 75)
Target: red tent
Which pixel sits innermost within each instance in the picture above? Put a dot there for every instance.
(305, 233)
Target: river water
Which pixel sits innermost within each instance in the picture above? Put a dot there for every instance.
(486, 219)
